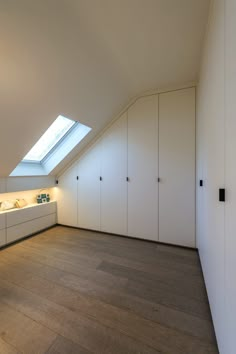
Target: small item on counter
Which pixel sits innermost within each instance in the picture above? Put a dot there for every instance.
(20, 203)
(43, 197)
(8, 204)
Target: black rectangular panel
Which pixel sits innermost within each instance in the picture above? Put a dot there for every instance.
(222, 195)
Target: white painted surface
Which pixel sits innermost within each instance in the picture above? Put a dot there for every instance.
(89, 171)
(129, 148)
(19, 216)
(114, 173)
(142, 168)
(66, 196)
(2, 221)
(2, 237)
(177, 167)
(82, 63)
(211, 162)
(30, 196)
(14, 184)
(30, 227)
(230, 175)
(18, 223)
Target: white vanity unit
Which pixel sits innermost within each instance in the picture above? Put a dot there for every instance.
(18, 223)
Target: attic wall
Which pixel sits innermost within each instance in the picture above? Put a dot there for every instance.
(216, 148)
(67, 163)
(29, 196)
(15, 184)
(86, 60)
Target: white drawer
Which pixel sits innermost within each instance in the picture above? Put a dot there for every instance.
(2, 221)
(23, 215)
(30, 227)
(2, 237)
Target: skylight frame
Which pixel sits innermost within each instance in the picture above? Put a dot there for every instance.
(56, 155)
(41, 162)
(56, 144)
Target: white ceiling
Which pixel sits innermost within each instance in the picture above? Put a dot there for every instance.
(86, 59)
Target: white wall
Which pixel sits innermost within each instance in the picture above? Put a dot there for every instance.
(230, 175)
(216, 149)
(30, 196)
(16, 184)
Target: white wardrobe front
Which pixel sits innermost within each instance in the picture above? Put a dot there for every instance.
(89, 193)
(177, 167)
(117, 187)
(142, 168)
(114, 174)
(66, 195)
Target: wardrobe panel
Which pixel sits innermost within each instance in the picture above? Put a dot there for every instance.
(142, 168)
(66, 193)
(177, 167)
(114, 173)
(89, 172)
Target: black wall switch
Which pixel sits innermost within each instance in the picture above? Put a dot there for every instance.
(221, 195)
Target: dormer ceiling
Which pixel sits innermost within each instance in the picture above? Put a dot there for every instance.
(86, 60)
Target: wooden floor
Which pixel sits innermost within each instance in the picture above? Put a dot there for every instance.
(73, 291)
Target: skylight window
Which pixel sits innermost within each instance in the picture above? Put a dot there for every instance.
(53, 135)
(52, 148)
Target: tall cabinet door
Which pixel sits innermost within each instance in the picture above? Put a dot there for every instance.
(114, 173)
(89, 172)
(142, 168)
(177, 167)
(66, 196)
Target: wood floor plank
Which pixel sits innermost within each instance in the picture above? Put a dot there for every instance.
(188, 289)
(57, 249)
(20, 270)
(97, 286)
(97, 293)
(6, 348)
(79, 329)
(193, 288)
(22, 332)
(82, 272)
(64, 346)
(120, 320)
(173, 300)
(147, 255)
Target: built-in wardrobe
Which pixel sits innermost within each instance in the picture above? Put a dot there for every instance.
(138, 179)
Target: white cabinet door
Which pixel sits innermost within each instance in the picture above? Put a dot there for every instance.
(142, 168)
(177, 167)
(66, 194)
(89, 171)
(19, 216)
(114, 173)
(2, 221)
(17, 232)
(2, 237)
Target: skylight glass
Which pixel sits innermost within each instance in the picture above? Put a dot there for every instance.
(49, 139)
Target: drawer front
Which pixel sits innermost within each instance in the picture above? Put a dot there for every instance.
(2, 237)
(23, 215)
(2, 221)
(18, 231)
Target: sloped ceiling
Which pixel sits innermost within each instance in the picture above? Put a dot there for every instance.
(86, 59)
